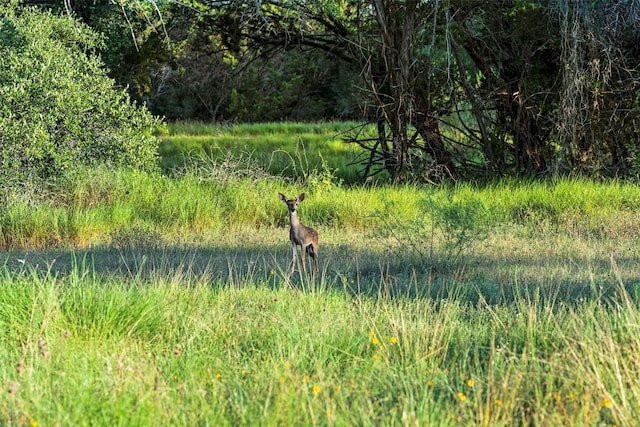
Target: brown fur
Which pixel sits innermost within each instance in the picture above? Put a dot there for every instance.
(301, 235)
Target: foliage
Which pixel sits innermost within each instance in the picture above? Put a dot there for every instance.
(599, 105)
(59, 110)
(303, 85)
(456, 90)
(465, 89)
(448, 224)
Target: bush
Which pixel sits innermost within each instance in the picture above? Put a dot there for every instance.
(59, 110)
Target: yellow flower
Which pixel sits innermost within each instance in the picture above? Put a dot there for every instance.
(462, 396)
(429, 383)
(33, 423)
(316, 389)
(376, 357)
(470, 382)
(375, 341)
(607, 403)
(498, 402)
(393, 340)
(305, 379)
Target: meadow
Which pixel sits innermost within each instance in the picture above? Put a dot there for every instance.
(130, 298)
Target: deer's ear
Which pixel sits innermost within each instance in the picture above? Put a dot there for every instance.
(301, 197)
(283, 197)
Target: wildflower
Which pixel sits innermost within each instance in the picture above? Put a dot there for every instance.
(470, 382)
(33, 423)
(316, 389)
(607, 403)
(376, 357)
(557, 397)
(393, 340)
(305, 379)
(218, 374)
(282, 378)
(374, 340)
(498, 402)
(462, 396)
(429, 383)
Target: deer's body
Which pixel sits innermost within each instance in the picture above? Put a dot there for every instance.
(301, 235)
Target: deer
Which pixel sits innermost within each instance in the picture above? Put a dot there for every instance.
(301, 235)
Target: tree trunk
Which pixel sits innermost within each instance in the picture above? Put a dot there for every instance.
(396, 21)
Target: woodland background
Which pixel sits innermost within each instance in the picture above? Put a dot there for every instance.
(458, 89)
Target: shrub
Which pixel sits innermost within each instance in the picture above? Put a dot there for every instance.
(59, 110)
(449, 224)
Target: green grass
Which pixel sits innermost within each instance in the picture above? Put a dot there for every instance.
(287, 149)
(184, 350)
(129, 298)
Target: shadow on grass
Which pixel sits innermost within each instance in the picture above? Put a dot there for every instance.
(360, 273)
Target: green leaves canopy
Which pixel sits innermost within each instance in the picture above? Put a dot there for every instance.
(58, 109)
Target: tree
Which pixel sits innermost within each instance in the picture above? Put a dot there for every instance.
(399, 69)
(378, 36)
(59, 109)
(456, 88)
(599, 119)
(507, 66)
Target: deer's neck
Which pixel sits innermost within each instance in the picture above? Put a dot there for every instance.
(293, 218)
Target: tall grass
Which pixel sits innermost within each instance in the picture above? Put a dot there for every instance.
(99, 202)
(287, 149)
(84, 349)
(132, 298)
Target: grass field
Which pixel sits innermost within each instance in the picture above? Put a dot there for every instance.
(141, 299)
(286, 149)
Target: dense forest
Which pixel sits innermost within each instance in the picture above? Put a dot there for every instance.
(456, 89)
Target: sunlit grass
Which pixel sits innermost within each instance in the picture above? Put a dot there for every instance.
(130, 298)
(283, 148)
(185, 350)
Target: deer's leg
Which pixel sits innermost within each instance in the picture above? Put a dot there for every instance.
(314, 255)
(304, 264)
(311, 250)
(295, 255)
